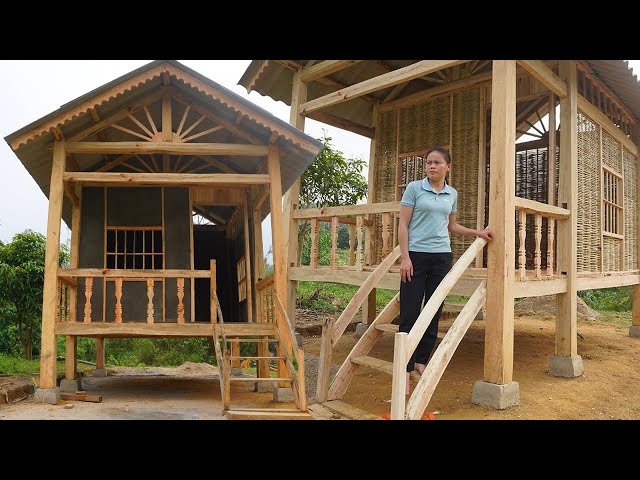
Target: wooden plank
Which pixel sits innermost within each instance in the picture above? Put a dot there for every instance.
(482, 166)
(50, 289)
(607, 281)
(354, 304)
(322, 69)
(347, 210)
(132, 274)
(531, 206)
(320, 412)
(134, 329)
(247, 258)
(81, 397)
(266, 415)
(74, 251)
(399, 379)
(401, 75)
(566, 304)
(71, 355)
(438, 363)
(538, 288)
(169, 179)
(498, 356)
(349, 411)
(342, 123)
(545, 75)
(166, 147)
(100, 352)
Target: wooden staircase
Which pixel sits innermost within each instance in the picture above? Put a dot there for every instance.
(228, 337)
(405, 344)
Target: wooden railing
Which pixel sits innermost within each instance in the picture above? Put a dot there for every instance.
(361, 220)
(406, 343)
(539, 210)
(67, 279)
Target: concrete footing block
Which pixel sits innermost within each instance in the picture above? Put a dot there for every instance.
(568, 367)
(361, 328)
(236, 371)
(69, 386)
(481, 315)
(262, 387)
(282, 394)
(634, 331)
(496, 396)
(47, 395)
(99, 372)
(299, 339)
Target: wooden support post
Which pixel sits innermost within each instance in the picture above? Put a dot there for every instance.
(247, 259)
(291, 200)
(324, 362)
(73, 254)
(482, 165)
(399, 381)
(71, 363)
(213, 296)
(498, 352)
(635, 312)
(235, 352)
(369, 308)
(48, 344)
(566, 317)
(352, 244)
(551, 183)
(99, 352)
(372, 191)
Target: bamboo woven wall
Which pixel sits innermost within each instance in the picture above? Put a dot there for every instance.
(424, 126)
(588, 195)
(630, 211)
(611, 254)
(611, 157)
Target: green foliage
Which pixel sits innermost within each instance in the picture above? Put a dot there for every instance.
(12, 365)
(332, 179)
(21, 283)
(618, 299)
(333, 297)
(161, 352)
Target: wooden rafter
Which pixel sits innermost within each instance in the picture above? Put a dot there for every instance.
(325, 68)
(200, 134)
(137, 122)
(146, 165)
(130, 132)
(113, 163)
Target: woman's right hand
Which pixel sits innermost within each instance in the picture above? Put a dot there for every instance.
(406, 270)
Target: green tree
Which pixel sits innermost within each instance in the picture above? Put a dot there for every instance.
(21, 283)
(331, 180)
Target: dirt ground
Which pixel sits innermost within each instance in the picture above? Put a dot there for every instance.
(609, 388)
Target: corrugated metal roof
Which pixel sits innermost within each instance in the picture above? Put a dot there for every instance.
(275, 80)
(32, 142)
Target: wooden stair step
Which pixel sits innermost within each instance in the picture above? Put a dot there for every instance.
(392, 328)
(380, 365)
(267, 414)
(260, 379)
(252, 340)
(349, 411)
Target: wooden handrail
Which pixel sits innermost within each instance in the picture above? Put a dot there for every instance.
(292, 347)
(131, 274)
(531, 206)
(265, 282)
(346, 210)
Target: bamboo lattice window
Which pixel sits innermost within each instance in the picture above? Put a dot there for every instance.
(242, 279)
(612, 210)
(134, 248)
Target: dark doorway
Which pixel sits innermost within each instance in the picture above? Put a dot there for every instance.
(209, 242)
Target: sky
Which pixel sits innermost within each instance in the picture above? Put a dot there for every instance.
(31, 89)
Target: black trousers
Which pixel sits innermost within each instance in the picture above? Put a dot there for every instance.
(428, 271)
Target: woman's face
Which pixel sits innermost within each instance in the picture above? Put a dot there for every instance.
(437, 166)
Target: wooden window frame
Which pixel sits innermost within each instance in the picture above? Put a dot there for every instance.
(241, 271)
(612, 203)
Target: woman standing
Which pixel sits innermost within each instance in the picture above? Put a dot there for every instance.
(427, 215)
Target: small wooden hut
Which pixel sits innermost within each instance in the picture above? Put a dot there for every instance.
(563, 207)
(128, 167)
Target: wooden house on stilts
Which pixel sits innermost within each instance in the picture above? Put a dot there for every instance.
(563, 207)
(127, 166)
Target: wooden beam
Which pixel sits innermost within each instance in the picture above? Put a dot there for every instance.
(545, 75)
(393, 207)
(380, 82)
(566, 317)
(135, 329)
(170, 148)
(52, 253)
(132, 274)
(325, 68)
(74, 253)
(531, 206)
(247, 258)
(338, 122)
(176, 179)
(498, 353)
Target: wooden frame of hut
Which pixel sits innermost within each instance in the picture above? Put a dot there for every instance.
(563, 208)
(127, 166)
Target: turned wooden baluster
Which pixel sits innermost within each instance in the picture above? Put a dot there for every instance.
(150, 302)
(386, 233)
(118, 300)
(550, 239)
(334, 243)
(538, 236)
(352, 243)
(315, 228)
(522, 257)
(180, 298)
(88, 290)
